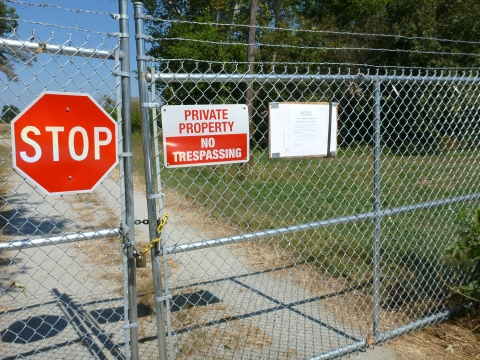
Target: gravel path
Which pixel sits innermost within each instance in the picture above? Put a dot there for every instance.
(70, 308)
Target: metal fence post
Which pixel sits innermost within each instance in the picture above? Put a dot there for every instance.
(161, 210)
(376, 206)
(118, 94)
(149, 178)
(128, 227)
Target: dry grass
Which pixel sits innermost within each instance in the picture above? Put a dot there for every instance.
(225, 339)
(107, 253)
(4, 127)
(458, 338)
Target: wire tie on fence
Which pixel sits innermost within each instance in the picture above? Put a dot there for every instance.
(128, 326)
(121, 35)
(121, 73)
(144, 37)
(145, 57)
(160, 227)
(125, 154)
(149, 105)
(155, 196)
(163, 298)
(41, 46)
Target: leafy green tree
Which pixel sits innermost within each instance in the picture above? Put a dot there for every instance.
(9, 112)
(416, 30)
(203, 37)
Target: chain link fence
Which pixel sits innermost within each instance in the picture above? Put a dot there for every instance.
(308, 257)
(312, 257)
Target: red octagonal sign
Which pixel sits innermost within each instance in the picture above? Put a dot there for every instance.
(64, 143)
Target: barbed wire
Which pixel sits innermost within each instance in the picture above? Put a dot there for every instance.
(76, 28)
(61, 8)
(329, 32)
(474, 71)
(257, 44)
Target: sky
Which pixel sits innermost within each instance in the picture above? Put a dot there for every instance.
(57, 22)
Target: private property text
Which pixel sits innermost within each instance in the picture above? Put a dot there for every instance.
(211, 126)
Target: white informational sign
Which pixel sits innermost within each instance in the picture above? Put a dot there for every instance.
(302, 129)
(197, 135)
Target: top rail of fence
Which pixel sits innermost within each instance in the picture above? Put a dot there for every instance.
(41, 47)
(298, 78)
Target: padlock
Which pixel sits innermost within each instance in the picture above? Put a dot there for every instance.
(140, 261)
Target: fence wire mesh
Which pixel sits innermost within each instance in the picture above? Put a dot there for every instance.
(61, 263)
(312, 257)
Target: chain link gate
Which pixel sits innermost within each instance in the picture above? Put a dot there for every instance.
(66, 282)
(308, 257)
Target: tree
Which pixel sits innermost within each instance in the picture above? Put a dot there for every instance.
(317, 36)
(7, 58)
(416, 31)
(9, 112)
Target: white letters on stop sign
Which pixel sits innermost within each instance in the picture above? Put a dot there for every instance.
(34, 144)
(54, 130)
(97, 142)
(76, 131)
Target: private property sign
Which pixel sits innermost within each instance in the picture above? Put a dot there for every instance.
(64, 143)
(195, 135)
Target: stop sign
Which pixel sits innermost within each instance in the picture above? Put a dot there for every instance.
(64, 143)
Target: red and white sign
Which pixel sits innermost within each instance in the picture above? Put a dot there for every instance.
(205, 134)
(64, 143)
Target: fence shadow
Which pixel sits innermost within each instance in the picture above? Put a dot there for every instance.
(86, 326)
(34, 329)
(18, 218)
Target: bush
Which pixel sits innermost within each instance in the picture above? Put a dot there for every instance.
(467, 251)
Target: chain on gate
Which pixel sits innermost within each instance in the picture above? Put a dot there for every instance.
(141, 261)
